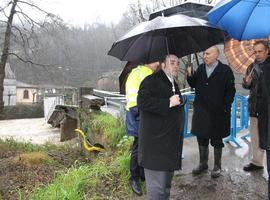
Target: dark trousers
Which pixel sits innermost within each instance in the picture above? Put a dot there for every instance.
(136, 171)
(158, 184)
(218, 143)
(268, 170)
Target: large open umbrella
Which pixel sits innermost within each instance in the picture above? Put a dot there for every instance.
(240, 54)
(151, 41)
(242, 19)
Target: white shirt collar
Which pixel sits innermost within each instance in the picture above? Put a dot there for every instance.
(170, 78)
(213, 65)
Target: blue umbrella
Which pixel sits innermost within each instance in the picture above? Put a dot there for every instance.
(242, 19)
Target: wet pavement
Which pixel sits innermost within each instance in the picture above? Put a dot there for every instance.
(234, 184)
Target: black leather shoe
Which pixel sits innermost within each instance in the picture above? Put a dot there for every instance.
(135, 186)
(251, 167)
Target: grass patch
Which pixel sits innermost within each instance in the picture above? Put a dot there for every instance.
(68, 185)
(34, 159)
(12, 144)
(110, 127)
(102, 128)
(107, 178)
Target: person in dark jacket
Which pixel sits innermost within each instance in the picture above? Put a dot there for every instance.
(159, 103)
(250, 82)
(261, 50)
(214, 93)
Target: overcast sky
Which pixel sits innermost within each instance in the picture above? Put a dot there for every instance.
(79, 12)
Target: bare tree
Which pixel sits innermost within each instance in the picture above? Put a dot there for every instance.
(138, 12)
(23, 32)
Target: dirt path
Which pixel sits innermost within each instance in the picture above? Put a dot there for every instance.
(35, 130)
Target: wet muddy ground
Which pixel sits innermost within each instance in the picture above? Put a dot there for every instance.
(18, 176)
(234, 184)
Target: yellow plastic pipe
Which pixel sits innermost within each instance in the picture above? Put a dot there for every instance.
(86, 145)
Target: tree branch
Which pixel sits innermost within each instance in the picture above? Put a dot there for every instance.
(2, 21)
(3, 8)
(30, 61)
(29, 19)
(5, 14)
(38, 8)
(20, 33)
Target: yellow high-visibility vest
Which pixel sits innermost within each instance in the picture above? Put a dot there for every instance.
(133, 84)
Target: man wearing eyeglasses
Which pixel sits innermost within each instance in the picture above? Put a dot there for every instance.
(214, 93)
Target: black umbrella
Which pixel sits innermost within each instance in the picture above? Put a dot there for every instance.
(151, 41)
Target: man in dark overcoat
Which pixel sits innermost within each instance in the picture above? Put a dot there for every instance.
(160, 146)
(214, 93)
(261, 50)
(250, 82)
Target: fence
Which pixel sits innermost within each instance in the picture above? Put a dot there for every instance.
(50, 103)
(239, 117)
(239, 112)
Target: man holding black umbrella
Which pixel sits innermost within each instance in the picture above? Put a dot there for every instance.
(159, 103)
(214, 93)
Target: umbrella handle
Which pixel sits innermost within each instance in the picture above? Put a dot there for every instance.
(168, 53)
(250, 73)
(183, 102)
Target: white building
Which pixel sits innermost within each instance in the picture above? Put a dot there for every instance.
(26, 93)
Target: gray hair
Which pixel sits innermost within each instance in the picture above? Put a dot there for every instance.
(216, 48)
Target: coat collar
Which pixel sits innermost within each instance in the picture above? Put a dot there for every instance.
(164, 77)
(267, 60)
(214, 73)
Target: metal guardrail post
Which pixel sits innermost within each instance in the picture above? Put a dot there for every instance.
(242, 112)
(244, 119)
(189, 98)
(105, 101)
(232, 137)
(237, 123)
(246, 116)
(123, 112)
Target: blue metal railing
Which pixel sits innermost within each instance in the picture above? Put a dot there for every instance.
(239, 117)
